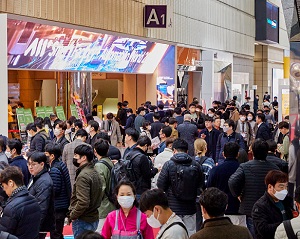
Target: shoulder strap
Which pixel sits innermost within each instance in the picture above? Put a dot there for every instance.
(106, 164)
(173, 224)
(289, 230)
(138, 219)
(116, 221)
(202, 159)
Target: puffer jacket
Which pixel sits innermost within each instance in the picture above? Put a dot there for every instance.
(142, 168)
(37, 143)
(21, 214)
(61, 184)
(248, 181)
(282, 164)
(168, 173)
(41, 187)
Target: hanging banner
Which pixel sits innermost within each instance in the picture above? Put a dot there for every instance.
(60, 112)
(73, 110)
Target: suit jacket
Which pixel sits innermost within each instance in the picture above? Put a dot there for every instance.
(263, 132)
(211, 149)
(115, 136)
(189, 133)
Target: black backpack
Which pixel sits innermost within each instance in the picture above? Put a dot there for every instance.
(185, 183)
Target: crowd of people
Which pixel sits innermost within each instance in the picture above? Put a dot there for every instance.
(228, 172)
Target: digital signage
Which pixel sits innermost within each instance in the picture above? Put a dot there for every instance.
(267, 22)
(45, 47)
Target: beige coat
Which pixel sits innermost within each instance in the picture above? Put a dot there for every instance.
(114, 132)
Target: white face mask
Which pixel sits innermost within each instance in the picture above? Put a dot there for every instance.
(67, 131)
(52, 123)
(88, 129)
(57, 132)
(211, 115)
(125, 201)
(249, 118)
(153, 222)
(29, 134)
(225, 129)
(8, 154)
(281, 194)
(243, 118)
(149, 127)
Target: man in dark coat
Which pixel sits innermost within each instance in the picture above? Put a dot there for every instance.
(273, 207)
(22, 213)
(213, 205)
(263, 131)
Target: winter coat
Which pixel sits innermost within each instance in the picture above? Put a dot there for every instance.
(248, 181)
(263, 132)
(61, 142)
(211, 148)
(21, 214)
(188, 132)
(21, 163)
(114, 131)
(37, 143)
(283, 165)
(281, 233)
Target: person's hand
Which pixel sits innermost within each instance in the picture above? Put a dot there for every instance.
(119, 144)
(69, 221)
(114, 161)
(203, 136)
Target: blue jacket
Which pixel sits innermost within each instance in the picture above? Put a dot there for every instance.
(21, 214)
(21, 163)
(223, 139)
(149, 117)
(61, 184)
(219, 176)
(41, 187)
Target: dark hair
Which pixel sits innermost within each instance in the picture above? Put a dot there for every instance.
(94, 124)
(230, 123)
(207, 118)
(53, 148)
(2, 144)
(172, 120)
(253, 116)
(161, 106)
(169, 141)
(214, 201)
(192, 104)
(167, 130)
(272, 145)
(15, 144)
(140, 109)
(85, 150)
(297, 194)
(242, 112)
(212, 110)
(260, 149)
(101, 147)
(31, 126)
(109, 115)
(13, 173)
(72, 119)
(152, 198)
(247, 107)
(145, 124)
(39, 122)
(276, 176)
(261, 116)
(62, 125)
(129, 110)
(78, 123)
(177, 110)
(89, 117)
(103, 135)
(125, 183)
(231, 149)
(38, 157)
(164, 120)
(156, 115)
(183, 105)
(143, 140)
(283, 124)
(89, 235)
(82, 133)
(180, 145)
(133, 133)
(125, 103)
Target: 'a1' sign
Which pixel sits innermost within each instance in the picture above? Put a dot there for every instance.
(155, 16)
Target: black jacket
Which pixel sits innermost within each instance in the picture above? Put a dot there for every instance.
(21, 214)
(61, 142)
(41, 187)
(248, 181)
(211, 147)
(21, 163)
(164, 182)
(263, 132)
(155, 128)
(142, 168)
(37, 143)
(267, 216)
(283, 165)
(113, 153)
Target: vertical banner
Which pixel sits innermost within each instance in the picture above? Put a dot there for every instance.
(21, 119)
(100, 111)
(48, 110)
(285, 102)
(73, 110)
(28, 116)
(60, 112)
(40, 112)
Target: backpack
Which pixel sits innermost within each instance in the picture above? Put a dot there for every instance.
(289, 230)
(201, 159)
(243, 155)
(46, 140)
(185, 183)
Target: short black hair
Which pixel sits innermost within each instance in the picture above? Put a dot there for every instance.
(230, 123)
(103, 135)
(109, 115)
(177, 110)
(15, 144)
(231, 149)
(85, 150)
(133, 133)
(13, 173)
(129, 110)
(161, 106)
(54, 149)
(61, 124)
(78, 123)
(212, 110)
(140, 109)
(214, 201)
(89, 235)
(38, 157)
(82, 133)
(145, 124)
(39, 122)
(272, 145)
(172, 120)
(261, 116)
(152, 198)
(208, 118)
(101, 147)
(260, 149)
(31, 126)
(167, 130)
(180, 145)
(192, 104)
(94, 124)
(156, 116)
(283, 124)
(89, 117)
(143, 140)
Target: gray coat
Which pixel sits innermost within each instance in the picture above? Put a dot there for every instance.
(189, 133)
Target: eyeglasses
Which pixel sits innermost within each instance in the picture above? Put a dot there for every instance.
(32, 164)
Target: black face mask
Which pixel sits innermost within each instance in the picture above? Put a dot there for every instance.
(73, 130)
(75, 163)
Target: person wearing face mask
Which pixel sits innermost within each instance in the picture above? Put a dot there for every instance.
(146, 132)
(92, 130)
(251, 120)
(154, 203)
(244, 128)
(211, 112)
(53, 119)
(112, 128)
(41, 187)
(87, 192)
(127, 221)
(274, 207)
(76, 125)
(59, 132)
(139, 120)
(37, 140)
(130, 119)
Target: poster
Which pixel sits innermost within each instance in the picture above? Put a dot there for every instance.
(60, 112)
(73, 110)
(48, 110)
(285, 102)
(28, 118)
(21, 119)
(40, 112)
(100, 111)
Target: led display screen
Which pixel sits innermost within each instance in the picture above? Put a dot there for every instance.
(272, 22)
(38, 46)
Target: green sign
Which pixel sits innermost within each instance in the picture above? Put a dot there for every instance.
(28, 116)
(73, 110)
(60, 112)
(40, 112)
(48, 110)
(21, 119)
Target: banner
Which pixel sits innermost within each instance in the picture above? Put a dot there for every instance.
(74, 112)
(21, 119)
(60, 112)
(40, 112)
(28, 116)
(48, 111)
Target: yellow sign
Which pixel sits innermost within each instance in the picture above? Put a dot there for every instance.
(285, 102)
(100, 111)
